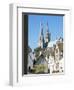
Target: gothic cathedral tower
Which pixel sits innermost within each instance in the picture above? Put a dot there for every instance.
(47, 37)
(41, 38)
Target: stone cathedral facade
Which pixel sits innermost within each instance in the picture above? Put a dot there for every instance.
(48, 56)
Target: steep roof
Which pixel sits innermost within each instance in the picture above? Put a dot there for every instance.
(41, 60)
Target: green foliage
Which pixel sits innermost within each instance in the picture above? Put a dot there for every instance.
(37, 49)
(41, 68)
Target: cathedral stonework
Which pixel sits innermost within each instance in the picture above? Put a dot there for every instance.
(43, 42)
(48, 56)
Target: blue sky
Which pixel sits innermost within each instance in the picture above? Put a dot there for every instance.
(55, 24)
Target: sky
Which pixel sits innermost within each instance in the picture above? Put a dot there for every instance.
(55, 24)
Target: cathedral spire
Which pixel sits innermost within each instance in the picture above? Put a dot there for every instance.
(41, 29)
(41, 37)
(47, 28)
(47, 37)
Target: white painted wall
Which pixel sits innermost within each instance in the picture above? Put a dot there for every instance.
(4, 47)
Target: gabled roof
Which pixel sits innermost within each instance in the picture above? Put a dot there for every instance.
(41, 60)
